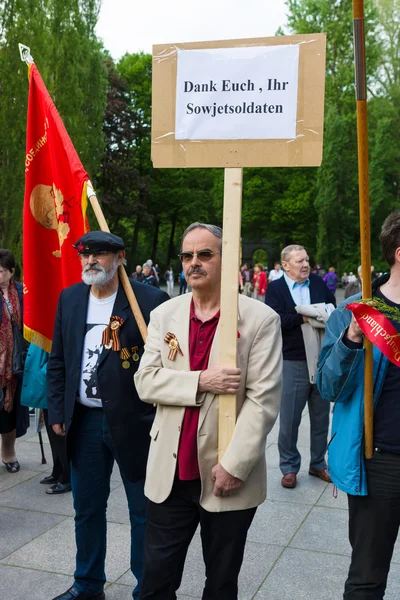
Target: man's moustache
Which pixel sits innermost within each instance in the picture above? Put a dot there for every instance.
(196, 270)
(88, 268)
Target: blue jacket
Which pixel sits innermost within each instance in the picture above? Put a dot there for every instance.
(34, 382)
(340, 379)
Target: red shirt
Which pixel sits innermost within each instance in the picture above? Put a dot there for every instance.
(260, 282)
(201, 336)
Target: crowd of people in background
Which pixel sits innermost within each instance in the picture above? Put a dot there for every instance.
(149, 274)
(253, 281)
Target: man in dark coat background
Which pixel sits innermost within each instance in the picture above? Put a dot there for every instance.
(298, 287)
(93, 401)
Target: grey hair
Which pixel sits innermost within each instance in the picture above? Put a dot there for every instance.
(214, 229)
(286, 251)
(124, 261)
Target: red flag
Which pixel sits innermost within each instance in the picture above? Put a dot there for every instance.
(54, 213)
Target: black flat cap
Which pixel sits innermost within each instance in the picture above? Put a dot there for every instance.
(99, 241)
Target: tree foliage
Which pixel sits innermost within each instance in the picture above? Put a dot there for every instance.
(106, 107)
(61, 36)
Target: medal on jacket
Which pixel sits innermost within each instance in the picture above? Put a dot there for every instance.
(173, 344)
(126, 354)
(111, 334)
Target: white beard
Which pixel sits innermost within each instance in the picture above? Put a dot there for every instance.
(97, 275)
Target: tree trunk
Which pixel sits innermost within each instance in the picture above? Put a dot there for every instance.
(171, 245)
(135, 239)
(155, 242)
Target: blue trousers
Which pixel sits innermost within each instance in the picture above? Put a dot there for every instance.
(92, 459)
(296, 393)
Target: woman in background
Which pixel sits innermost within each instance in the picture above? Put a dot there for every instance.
(259, 282)
(34, 394)
(14, 419)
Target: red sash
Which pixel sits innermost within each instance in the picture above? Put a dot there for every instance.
(378, 329)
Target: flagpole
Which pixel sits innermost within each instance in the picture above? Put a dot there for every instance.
(126, 284)
(25, 54)
(365, 233)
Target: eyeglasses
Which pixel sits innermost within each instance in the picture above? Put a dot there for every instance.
(202, 255)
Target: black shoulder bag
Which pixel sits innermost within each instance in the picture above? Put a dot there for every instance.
(20, 351)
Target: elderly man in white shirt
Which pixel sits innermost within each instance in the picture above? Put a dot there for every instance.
(298, 288)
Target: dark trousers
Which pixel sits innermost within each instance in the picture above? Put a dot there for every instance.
(92, 459)
(170, 529)
(373, 527)
(297, 391)
(61, 470)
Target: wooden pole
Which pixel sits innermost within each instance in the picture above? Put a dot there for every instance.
(229, 298)
(365, 233)
(137, 313)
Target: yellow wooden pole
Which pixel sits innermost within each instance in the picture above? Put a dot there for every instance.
(229, 298)
(137, 313)
(365, 232)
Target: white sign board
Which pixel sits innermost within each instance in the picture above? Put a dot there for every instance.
(247, 93)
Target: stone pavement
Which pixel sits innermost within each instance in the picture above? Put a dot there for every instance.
(297, 546)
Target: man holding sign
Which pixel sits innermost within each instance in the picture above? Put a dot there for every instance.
(185, 482)
(373, 485)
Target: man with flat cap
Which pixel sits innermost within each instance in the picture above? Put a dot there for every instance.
(93, 401)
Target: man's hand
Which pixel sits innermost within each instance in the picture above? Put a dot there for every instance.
(305, 319)
(354, 333)
(58, 428)
(219, 380)
(223, 482)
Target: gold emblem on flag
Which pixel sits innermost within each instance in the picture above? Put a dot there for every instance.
(47, 207)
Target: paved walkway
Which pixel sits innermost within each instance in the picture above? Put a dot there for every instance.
(297, 546)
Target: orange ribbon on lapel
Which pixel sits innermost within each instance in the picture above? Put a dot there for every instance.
(173, 344)
(111, 334)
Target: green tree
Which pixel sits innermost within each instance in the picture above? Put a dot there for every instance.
(135, 69)
(63, 43)
(18, 23)
(336, 189)
(117, 175)
(385, 122)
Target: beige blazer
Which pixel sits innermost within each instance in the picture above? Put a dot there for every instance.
(172, 386)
